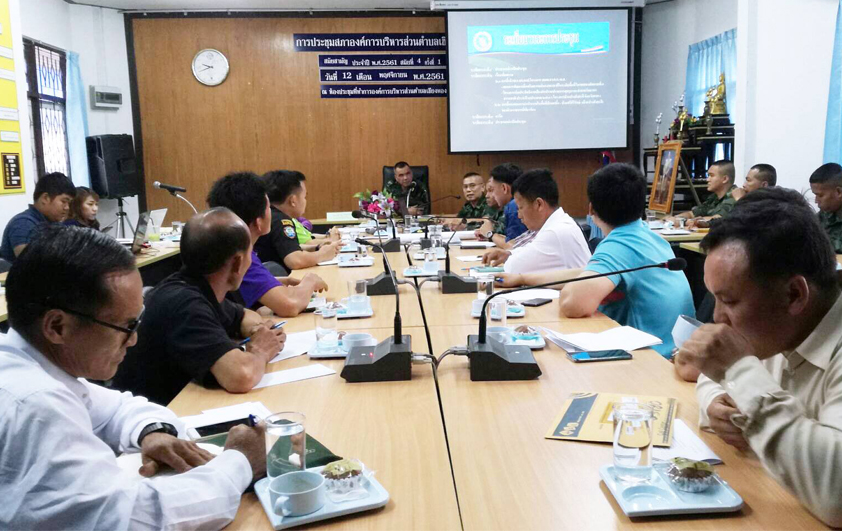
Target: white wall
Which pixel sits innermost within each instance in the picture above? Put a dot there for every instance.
(785, 48)
(669, 28)
(12, 204)
(98, 36)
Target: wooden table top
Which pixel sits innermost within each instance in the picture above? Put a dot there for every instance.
(508, 476)
(677, 238)
(697, 248)
(395, 428)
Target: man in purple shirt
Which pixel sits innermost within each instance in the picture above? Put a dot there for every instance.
(245, 194)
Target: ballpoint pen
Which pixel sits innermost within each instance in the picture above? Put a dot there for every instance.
(273, 327)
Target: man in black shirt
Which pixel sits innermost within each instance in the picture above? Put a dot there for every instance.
(287, 193)
(190, 331)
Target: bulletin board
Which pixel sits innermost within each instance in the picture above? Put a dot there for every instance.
(11, 153)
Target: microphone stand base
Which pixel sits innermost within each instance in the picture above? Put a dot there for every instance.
(453, 283)
(386, 362)
(493, 361)
(380, 285)
(393, 246)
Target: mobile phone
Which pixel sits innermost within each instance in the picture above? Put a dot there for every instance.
(599, 355)
(536, 302)
(222, 427)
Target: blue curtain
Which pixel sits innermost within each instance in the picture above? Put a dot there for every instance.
(705, 61)
(833, 127)
(77, 122)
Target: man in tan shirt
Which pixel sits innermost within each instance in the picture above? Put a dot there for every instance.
(771, 365)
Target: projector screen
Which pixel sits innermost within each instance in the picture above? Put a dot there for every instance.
(537, 80)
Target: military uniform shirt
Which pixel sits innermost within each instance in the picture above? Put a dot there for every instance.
(832, 224)
(713, 206)
(418, 195)
(470, 211)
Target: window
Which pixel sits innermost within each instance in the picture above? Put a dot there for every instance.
(46, 90)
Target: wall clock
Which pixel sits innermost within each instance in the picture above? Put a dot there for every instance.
(210, 67)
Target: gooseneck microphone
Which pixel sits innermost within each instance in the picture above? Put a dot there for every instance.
(491, 360)
(174, 191)
(451, 282)
(168, 187)
(389, 360)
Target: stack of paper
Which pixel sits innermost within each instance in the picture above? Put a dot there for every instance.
(622, 337)
(219, 415)
(296, 345)
(294, 375)
(340, 216)
(685, 443)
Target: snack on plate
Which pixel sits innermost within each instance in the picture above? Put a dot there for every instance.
(343, 476)
(691, 476)
(525, 330)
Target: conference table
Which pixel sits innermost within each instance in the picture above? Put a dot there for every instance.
(457, 454)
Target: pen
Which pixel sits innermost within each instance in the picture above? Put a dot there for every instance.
(273, 327)
(253, 420)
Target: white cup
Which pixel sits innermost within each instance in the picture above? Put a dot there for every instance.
(431, 261)
(350, 341)
(497, 310)
(683, 329)
(476, 305)
(297, 493)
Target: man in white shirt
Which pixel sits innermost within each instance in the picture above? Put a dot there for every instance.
(558, 242)
(74, 302)
(772, 364)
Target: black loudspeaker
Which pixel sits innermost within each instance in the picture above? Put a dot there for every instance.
(113, 166)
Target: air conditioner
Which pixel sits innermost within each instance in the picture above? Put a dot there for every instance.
(103, 97)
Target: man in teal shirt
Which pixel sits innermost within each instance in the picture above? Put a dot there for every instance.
(650, 300)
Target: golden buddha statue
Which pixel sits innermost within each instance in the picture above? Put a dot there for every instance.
(717, 99)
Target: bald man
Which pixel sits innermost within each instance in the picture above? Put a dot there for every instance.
(190, 331)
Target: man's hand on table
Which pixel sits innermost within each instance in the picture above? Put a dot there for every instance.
(251, 442)
(509, 280)
(317, 282)
(159, 450)
(495, 257)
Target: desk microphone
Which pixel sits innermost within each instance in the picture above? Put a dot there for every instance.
(391, 359)
(393, 245)
(491, 360)
(174, 191)
(451, 282)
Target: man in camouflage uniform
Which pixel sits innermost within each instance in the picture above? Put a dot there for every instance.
(404, 189)
(720, 201)
(475, 207)
(826, 184)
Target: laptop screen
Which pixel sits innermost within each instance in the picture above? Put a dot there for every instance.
(140, 233)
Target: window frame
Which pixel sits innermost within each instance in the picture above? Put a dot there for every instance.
(35, 98)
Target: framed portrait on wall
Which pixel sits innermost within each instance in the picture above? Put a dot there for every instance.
(666, 172)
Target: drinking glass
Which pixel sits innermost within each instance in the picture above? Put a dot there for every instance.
(633, 442)
(497, 310)
(285, 443)
(327, 338)
(431, 260)
(357, 296)
(485, 286)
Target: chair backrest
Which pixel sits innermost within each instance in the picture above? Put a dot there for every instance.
(5, 265)
(419, 173)
(592, 243)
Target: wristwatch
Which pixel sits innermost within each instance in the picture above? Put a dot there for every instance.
(157, 427)
(489, 234)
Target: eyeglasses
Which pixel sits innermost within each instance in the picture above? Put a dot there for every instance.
(129, 330)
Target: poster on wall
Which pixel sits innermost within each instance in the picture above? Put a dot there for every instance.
(11, 182)
(385, 75)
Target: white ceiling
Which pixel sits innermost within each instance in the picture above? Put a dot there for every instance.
(249, 5)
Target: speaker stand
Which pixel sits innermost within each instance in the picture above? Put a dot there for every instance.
(122, 219)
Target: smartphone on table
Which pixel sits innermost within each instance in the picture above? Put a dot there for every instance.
(599, 355)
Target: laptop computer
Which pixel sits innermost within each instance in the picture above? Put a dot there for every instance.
(140, 232)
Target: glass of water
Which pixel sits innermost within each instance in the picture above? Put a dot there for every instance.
(633, 442)
(327, 338)
(285, 443)
(497, 310)
(357, 295)
(485, 286)
(431, 260)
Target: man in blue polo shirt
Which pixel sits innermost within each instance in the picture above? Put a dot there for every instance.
(51, 203)
(245, 194)
(650, 300)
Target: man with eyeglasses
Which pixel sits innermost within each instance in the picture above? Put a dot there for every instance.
(75, 301)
